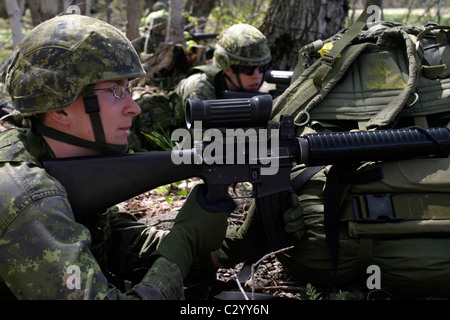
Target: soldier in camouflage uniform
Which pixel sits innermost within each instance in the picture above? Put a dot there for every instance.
(69, 78)
(240, 60)
(156, 24)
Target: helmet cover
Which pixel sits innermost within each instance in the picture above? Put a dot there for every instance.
(59, 58)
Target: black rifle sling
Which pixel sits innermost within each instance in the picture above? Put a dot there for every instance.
(332, 197)
(304, 176)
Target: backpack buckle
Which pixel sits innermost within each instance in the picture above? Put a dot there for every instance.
(329, 58)
(374, 208)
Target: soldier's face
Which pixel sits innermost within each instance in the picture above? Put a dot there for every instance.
(116, 114)
(250, 82)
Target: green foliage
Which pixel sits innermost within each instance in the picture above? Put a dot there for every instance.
(173, 188)
(227, 13)
(311, 293)
(161, 139)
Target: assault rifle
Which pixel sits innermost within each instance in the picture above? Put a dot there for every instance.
(202, 36)
(280, 78)
(96, 183)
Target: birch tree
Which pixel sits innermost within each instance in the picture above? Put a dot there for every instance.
(175, 24)
(14, 15)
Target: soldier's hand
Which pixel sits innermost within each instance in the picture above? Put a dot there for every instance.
(199, 228)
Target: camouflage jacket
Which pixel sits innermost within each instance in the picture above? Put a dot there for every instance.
(202, 82)
(46, 254)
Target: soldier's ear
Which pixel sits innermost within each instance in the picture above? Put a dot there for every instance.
(228, 71)
(59, 116)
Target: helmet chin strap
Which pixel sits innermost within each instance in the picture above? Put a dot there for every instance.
(92, 108)
(240, 86)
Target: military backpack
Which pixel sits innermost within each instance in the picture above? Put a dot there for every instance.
(394, 215)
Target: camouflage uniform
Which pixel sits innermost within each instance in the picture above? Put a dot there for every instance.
(45, 253)
(156, 24)
(241, 44)
(38, 247)
(202, 83)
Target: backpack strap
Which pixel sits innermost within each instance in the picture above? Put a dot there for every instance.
(304, 176)
(329, 58)
(387, 116)
(322, 75)
(442, 43)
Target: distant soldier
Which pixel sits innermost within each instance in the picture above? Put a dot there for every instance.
(241, 57)
(240, 61)
(156, 26)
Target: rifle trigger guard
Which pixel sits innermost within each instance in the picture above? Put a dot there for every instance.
(308, 117)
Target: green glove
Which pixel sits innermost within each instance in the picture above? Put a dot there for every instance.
(199, 228)
(293, 218)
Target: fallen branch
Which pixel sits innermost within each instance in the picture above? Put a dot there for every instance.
(269, 255)
(240, 288)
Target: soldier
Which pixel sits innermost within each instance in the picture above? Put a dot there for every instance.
(156, 25)
(69, 78)
(240, 61)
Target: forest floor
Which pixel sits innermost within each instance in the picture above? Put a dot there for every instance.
(159, 208)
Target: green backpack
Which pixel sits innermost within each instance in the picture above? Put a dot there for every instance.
(373, 76)
(393, 215)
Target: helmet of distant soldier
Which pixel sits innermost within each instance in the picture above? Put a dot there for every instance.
(241, 44)
(58, 59)
(157, 20)
(159, 5)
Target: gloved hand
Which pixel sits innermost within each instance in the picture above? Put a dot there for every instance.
(199, 228)
(293, 218)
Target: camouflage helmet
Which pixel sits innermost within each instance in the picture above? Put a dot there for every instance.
(159, 5)
(157, 20)
(241, 44)
(59, 58)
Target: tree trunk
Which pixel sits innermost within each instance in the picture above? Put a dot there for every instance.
(42, 10)
(201, 10)
(290, 24)
(133, 20)
(175, 24)
(14, 15)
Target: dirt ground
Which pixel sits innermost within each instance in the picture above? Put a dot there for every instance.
(159, 208)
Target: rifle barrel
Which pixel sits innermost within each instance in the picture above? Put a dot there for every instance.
(347, 147)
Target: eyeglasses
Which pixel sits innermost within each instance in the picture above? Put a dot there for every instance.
(117, 90)
(248, 70)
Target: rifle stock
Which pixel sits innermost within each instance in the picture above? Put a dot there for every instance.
(96, 183)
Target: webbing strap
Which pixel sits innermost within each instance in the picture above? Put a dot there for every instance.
(92, 108)
(63, 137)
(331, 219)
(316, 77)
(304, 176)
(394, 207)
(329, 57)
(442, 42)
(364, 255)
(386, 117)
